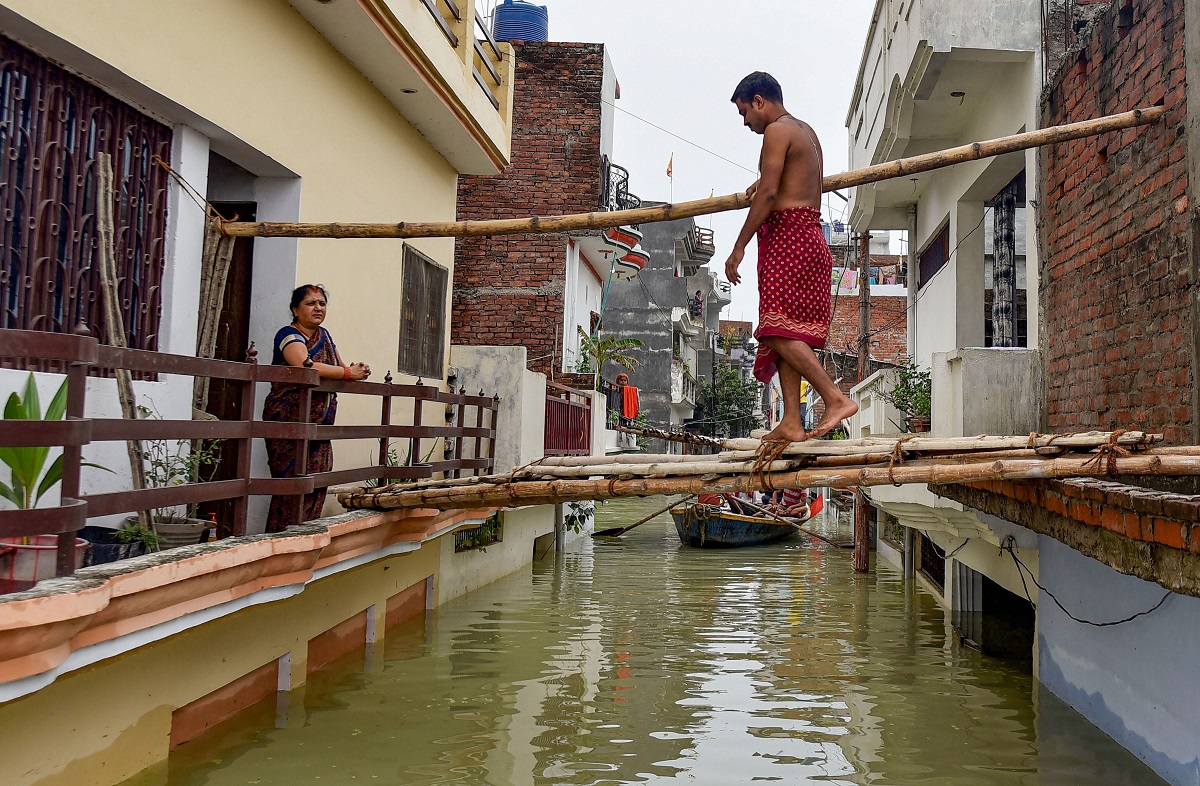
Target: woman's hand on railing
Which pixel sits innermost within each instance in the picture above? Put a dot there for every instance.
(357, 372)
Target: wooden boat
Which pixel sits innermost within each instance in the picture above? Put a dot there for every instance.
(708, 527)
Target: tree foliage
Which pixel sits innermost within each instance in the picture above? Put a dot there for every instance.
(608, 349)
(729, 406)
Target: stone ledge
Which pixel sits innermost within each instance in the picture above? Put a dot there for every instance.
(1105, 520)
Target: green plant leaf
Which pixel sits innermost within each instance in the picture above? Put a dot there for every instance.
(18, 488)
(33, 405)
(7, 492)
(53, 475)
(57, 409)
(14, 408)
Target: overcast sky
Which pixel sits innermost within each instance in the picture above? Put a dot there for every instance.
(678, 61)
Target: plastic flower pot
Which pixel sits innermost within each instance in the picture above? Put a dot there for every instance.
(26, 561)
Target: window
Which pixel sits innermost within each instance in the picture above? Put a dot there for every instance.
(423, 316)
(935, 255)
(52, 125)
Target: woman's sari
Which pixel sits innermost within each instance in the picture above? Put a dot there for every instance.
(283, 404)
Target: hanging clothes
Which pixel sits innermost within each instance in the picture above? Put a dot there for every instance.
(630, 403)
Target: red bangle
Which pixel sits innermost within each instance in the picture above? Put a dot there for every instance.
(345, 372)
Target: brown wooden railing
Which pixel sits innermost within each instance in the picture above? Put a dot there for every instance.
(568, 421)
(79, 354)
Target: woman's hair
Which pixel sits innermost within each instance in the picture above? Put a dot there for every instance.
(300, 292)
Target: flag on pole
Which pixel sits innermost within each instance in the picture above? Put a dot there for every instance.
(671, 166)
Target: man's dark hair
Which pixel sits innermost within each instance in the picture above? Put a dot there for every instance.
(760, 83)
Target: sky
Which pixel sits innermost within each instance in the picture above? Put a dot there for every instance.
(678, 62)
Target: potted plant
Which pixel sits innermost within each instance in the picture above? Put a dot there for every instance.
(31, 475)
(911, 392)
(172, 463)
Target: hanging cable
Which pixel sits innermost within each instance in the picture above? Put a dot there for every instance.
(1022, 569)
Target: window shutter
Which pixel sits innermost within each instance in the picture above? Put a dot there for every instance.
(422, 316)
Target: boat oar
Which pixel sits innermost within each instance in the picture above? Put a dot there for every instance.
(788, 522)
(614, 531)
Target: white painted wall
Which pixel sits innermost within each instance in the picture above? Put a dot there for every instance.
(583, 295)
(1136, 681)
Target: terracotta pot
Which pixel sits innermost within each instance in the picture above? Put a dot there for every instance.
(919, 424)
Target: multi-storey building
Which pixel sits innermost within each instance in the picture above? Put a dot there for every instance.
(674, 308)
(1067, 317)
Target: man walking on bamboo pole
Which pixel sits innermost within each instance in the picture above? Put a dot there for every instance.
(795, 265)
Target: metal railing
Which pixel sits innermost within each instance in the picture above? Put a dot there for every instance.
(568, 421)
(79, 354)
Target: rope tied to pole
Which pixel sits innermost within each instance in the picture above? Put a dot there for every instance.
(768, 453)
(1109, 452)
(897, 457)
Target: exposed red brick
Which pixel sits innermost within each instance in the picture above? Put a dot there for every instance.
(508, 290)
(1117, 222)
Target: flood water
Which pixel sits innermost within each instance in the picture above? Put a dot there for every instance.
(639, 661)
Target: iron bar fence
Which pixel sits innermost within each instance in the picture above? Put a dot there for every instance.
(468, 448)
(568, 421)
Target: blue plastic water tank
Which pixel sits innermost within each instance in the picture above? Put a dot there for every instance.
(517, 20)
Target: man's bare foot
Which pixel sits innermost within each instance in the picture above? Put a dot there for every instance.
(786, 432)
(834, 414)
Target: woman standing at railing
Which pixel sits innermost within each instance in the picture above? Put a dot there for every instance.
(304, 344)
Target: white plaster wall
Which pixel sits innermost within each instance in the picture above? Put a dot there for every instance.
(469, 570)
(583, 295)
(521, 425)
(1136, 681)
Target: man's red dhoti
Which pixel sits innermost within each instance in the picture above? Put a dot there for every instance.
(795, 276)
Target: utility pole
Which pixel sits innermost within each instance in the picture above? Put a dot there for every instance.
(862, 524)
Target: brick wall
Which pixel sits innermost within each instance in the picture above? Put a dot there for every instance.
(1115, 273)
(508, 291)
(889, 328)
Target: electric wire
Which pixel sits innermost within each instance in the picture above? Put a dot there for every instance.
(1022, 569)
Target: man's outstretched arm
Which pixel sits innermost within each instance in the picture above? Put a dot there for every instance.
(774, 156)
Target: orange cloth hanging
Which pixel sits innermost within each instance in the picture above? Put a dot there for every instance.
(630, 404)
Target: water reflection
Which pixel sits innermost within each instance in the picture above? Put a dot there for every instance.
(636, 661)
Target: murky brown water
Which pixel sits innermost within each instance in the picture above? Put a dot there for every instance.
(637, 661)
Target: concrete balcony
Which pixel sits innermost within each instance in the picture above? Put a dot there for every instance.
(437, 64)
(933, 74)
(975, 391)
(683, 385)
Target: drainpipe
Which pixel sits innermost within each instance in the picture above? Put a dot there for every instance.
(909, 557)
(560, 530)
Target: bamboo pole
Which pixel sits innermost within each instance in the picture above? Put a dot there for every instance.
(647, 215)
(746, 448)
(541, 492)
(657, 468)
(111, 301)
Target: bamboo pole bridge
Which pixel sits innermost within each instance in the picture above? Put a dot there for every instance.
(745, 466)
(583, 222)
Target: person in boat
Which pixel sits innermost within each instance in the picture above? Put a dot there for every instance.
(304, 343)
(789, 502)
(795, 266)
(734, 503)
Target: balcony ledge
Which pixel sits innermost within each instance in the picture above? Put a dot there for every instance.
(64, 624)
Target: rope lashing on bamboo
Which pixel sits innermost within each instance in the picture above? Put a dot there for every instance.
(770, 452)
(645, 215)
(898, 456)
(1109, 452)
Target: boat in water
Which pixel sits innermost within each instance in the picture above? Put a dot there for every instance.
(711, 527)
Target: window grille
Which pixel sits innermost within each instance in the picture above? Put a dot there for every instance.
(52, 125)
(423, 316)
(935, 255)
